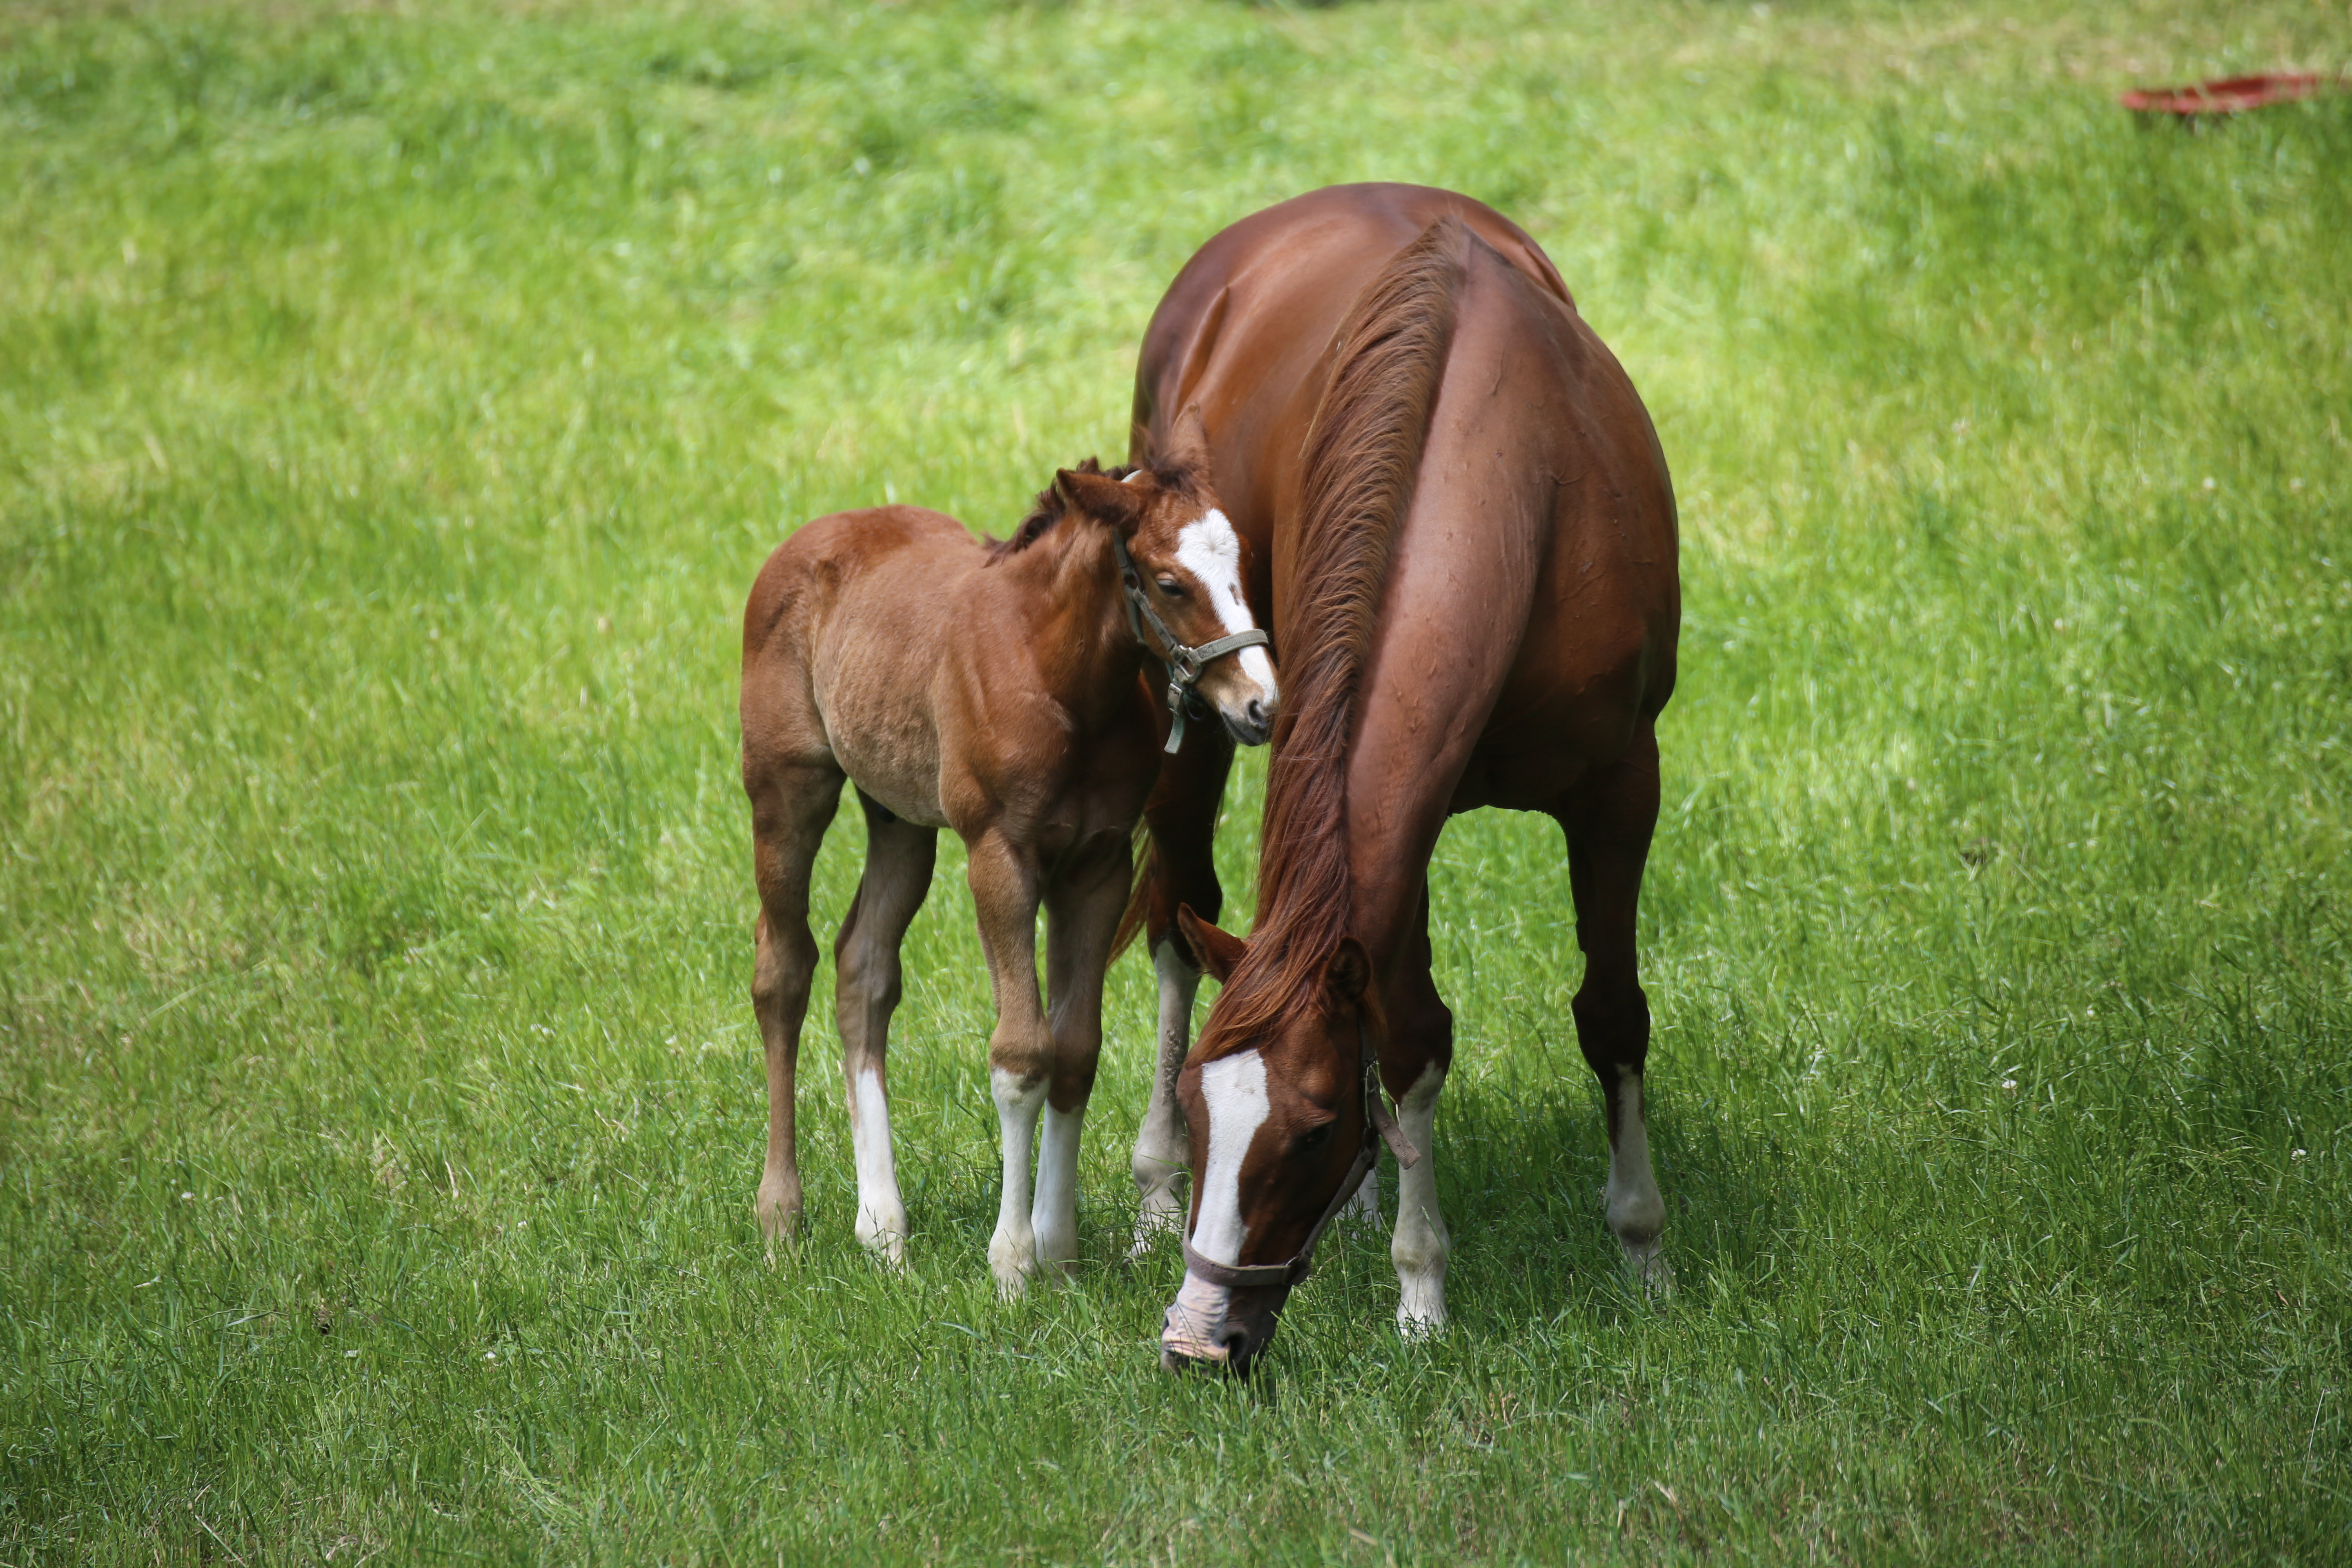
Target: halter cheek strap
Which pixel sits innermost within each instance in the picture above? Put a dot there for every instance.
(1380, 1126)
(1184, 663)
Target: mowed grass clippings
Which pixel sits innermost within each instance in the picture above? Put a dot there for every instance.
(394, 406)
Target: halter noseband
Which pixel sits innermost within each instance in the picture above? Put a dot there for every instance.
(1380, 1125)
(1184, 664)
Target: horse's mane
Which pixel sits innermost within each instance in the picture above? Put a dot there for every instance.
(1363, 457)
(1049, 507)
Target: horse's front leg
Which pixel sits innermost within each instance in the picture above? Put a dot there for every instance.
(1183, 814)
(1082, 911)
(1004, 889)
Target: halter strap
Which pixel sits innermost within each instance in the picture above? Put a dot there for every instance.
(1184, 663)
(1380, 1126)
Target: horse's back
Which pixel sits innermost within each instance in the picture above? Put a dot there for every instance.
(1542, 462)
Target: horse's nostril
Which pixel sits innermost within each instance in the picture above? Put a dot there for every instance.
(1257, 710)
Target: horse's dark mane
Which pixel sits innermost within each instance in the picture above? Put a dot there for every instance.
(1049, 507)
(1363, 457)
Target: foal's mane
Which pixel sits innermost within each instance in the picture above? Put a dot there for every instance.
(1362, 455)
(1049, 508)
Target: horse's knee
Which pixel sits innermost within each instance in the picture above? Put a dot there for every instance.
(1022, 1056)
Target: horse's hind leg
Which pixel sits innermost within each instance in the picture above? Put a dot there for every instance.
(1081, 909)
(1183, 817)
(898, 856)
(1608, 819)
(791, 807)
(1421, 1046)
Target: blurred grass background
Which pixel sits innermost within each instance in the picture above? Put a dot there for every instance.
(395, 404)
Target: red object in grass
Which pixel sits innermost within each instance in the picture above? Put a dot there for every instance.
(2227, 96)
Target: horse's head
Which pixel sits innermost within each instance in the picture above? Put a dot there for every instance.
(1190, 566)
(1277, 1112)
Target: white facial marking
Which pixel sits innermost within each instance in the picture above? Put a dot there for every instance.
(1233, 1091)
(1133, 477)
(1211, 550)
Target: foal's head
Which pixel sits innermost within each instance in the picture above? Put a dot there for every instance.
(1193, 566)
(1274, 1098)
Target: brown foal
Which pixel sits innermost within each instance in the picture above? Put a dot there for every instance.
(997, 689)
(1463, 539)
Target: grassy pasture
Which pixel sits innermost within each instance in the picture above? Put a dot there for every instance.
(395, 404)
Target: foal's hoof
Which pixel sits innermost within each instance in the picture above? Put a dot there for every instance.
(1012, 1258)
(780, 1220)
(884, 1239)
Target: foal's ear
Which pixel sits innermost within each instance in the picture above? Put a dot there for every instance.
(1102, 498)
(1212, 949)
(1348, 972)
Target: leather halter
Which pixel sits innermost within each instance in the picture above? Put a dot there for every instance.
(1184, 664)
(1380, 1125)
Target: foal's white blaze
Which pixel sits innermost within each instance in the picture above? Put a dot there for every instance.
(1232, 1093)
(881, 1216)
(1208, 548)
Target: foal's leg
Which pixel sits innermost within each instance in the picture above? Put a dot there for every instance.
(898, 857)
(791, 807)
(1421, 1043)
(1004, 886)
(1608, 819)
(1082, 911)
(1182, 814)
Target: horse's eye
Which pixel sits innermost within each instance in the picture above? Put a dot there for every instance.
(1169, 586)
(1313, 1138)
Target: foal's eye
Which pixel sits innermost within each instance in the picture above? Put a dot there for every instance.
(1169, 586)
(1313, 1138)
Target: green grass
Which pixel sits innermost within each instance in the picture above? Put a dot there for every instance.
(395, 404)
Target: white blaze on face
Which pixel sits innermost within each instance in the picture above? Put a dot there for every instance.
(1208, 548)
(1232, 1094)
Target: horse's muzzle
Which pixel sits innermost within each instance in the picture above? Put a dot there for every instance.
(1251, 722)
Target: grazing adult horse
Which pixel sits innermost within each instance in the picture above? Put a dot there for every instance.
(996, 689)
(1463, 528)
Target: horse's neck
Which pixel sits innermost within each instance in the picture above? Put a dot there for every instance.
(1076, 619)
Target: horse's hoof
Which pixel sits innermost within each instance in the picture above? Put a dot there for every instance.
(1650, 1270)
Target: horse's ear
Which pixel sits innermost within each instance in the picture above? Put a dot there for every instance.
(1100, 497)
(1215, 950)
(1188, 445)
(1348, 972)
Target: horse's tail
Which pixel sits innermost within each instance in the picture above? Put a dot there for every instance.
(1362, 459)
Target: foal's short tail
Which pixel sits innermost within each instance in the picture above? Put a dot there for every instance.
(1138, 898)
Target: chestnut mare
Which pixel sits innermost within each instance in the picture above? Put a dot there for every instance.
(1463, 530)
(996, 689)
